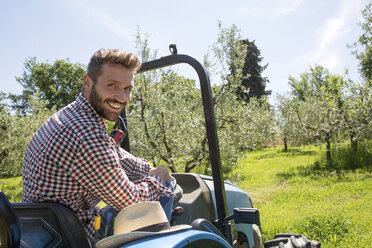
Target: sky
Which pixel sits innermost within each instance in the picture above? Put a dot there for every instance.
(292, 35)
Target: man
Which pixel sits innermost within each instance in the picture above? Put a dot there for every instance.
(72, 160)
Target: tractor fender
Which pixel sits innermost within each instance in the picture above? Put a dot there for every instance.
(235, 198)
(189, 238)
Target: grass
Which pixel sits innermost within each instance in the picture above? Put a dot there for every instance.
(332, 207)
(12, 188)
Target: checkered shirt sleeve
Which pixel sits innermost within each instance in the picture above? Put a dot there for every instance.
(106, 171)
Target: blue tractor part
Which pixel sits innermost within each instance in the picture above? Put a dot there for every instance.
(189, 238)
(200, 234)
(198, 201)
(235, 198)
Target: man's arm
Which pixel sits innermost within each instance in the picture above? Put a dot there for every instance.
(98, 168)
(138, 168)
(135, 168)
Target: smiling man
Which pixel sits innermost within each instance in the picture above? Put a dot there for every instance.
(72, 160)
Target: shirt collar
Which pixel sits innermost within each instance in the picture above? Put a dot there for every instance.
(85, 105)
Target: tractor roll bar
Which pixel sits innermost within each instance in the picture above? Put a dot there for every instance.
(214, 150)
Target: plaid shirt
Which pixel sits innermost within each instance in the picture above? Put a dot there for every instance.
(72, 160)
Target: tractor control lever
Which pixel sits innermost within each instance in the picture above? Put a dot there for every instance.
(177, 211)
(118, 134)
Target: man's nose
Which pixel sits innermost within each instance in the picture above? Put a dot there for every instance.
(123, 96)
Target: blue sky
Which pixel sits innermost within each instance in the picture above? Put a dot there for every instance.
(291, 34)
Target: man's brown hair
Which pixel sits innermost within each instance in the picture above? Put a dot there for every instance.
(111, 56)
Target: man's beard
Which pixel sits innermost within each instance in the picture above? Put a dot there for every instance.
(97, 103)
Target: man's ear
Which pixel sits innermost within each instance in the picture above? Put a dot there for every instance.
(87, 85)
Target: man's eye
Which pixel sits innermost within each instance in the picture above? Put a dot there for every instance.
(111, 85)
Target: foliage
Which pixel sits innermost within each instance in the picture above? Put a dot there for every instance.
(166, 120)
(315, 90)
(355, 108)
(16, 132)
(365, 44)
(324, 107)
(240, 125)
(331, 228)
(160, 120)
(2, 98)
(253, 83)
(58, 83)
(164, 106)
(344, 158)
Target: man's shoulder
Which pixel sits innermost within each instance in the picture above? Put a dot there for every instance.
(78, 120)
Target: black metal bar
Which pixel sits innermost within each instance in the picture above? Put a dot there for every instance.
(125, 145)
(214, 150)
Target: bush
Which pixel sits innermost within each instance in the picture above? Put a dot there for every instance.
(331, 229)
(344, 158)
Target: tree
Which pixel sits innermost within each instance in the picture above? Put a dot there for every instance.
(162, 115)
(322, 107)
(2, 98)
(240, 125)
(16, 132)
(365, 43)
(355, 108)
(163, 111)
(253, 83)
(313, 110)
(288, 123)
(58, 83)
(166, 120)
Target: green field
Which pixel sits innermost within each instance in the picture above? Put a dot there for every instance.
(12, 188)
(334, 207)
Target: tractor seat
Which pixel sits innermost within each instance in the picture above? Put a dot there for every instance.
(49, 225)
(9, 225)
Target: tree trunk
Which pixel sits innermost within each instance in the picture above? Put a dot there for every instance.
(328, 147)
(354, 143)
(285, 145)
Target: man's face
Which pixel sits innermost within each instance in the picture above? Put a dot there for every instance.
(112, 91)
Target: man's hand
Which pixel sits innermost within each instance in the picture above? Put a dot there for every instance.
(161, 172)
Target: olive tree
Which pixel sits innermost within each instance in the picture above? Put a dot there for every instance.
(356, 107)
(362, 49)
(241, 124)
(166, 119)
(16, 132)
(322, 106)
